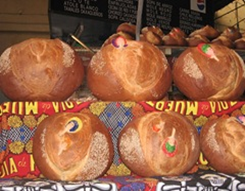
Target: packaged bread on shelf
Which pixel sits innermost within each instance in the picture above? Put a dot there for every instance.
(40, 70)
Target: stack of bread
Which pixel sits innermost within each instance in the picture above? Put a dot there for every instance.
(123, 69)
(230, 37)
(51, 70)
(206, 70)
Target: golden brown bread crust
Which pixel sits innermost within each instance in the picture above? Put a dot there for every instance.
(128, 28)
(222, 143)
(197, 39)
(174, 39)
(40, 70)
(159, 144)
(232, 33)
(207, 31)
(133, 71)
(152, 34)
(209, 72)
(240, 43)
(156, 30)
(116, 35)
(223, 40)
(63, 152)
(179, 31)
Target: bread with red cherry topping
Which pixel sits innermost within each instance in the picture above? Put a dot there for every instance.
(129, 70)
(159, 144)
(209, 72)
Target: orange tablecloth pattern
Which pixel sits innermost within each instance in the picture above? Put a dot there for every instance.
(19, 121)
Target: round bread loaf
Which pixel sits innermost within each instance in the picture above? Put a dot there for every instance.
(209, 72)
(72, 147)
(129, 70)
(128, 28)
(222, 144)
(197, 39)
(152, 34)
(240, 43)
(223, 40)
(111, 38)
(232, 33)
(159, 144)
(179, 31)
(174, 38)
(40, 70)
(207, 31)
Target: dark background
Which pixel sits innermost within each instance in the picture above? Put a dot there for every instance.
(96, 29)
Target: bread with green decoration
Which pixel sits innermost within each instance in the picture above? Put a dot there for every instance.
(163, 143)
(209, 72)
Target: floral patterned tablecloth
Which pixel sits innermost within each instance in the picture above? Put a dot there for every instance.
(19, 121)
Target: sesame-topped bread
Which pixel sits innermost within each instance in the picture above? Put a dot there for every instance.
(40, 69)
(209, 72)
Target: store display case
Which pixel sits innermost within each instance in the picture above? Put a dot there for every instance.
(92, 22)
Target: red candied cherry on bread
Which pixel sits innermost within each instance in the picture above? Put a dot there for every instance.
(207, 31)
(209, 72)
(159, 144)
(129, 70)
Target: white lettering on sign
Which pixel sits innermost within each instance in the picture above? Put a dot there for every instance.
(86, 7)
(189, 20)
(158, 14)
(123, 10)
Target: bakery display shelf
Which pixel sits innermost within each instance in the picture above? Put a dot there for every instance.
(19, 121)
(176, 50)
(167, 50)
